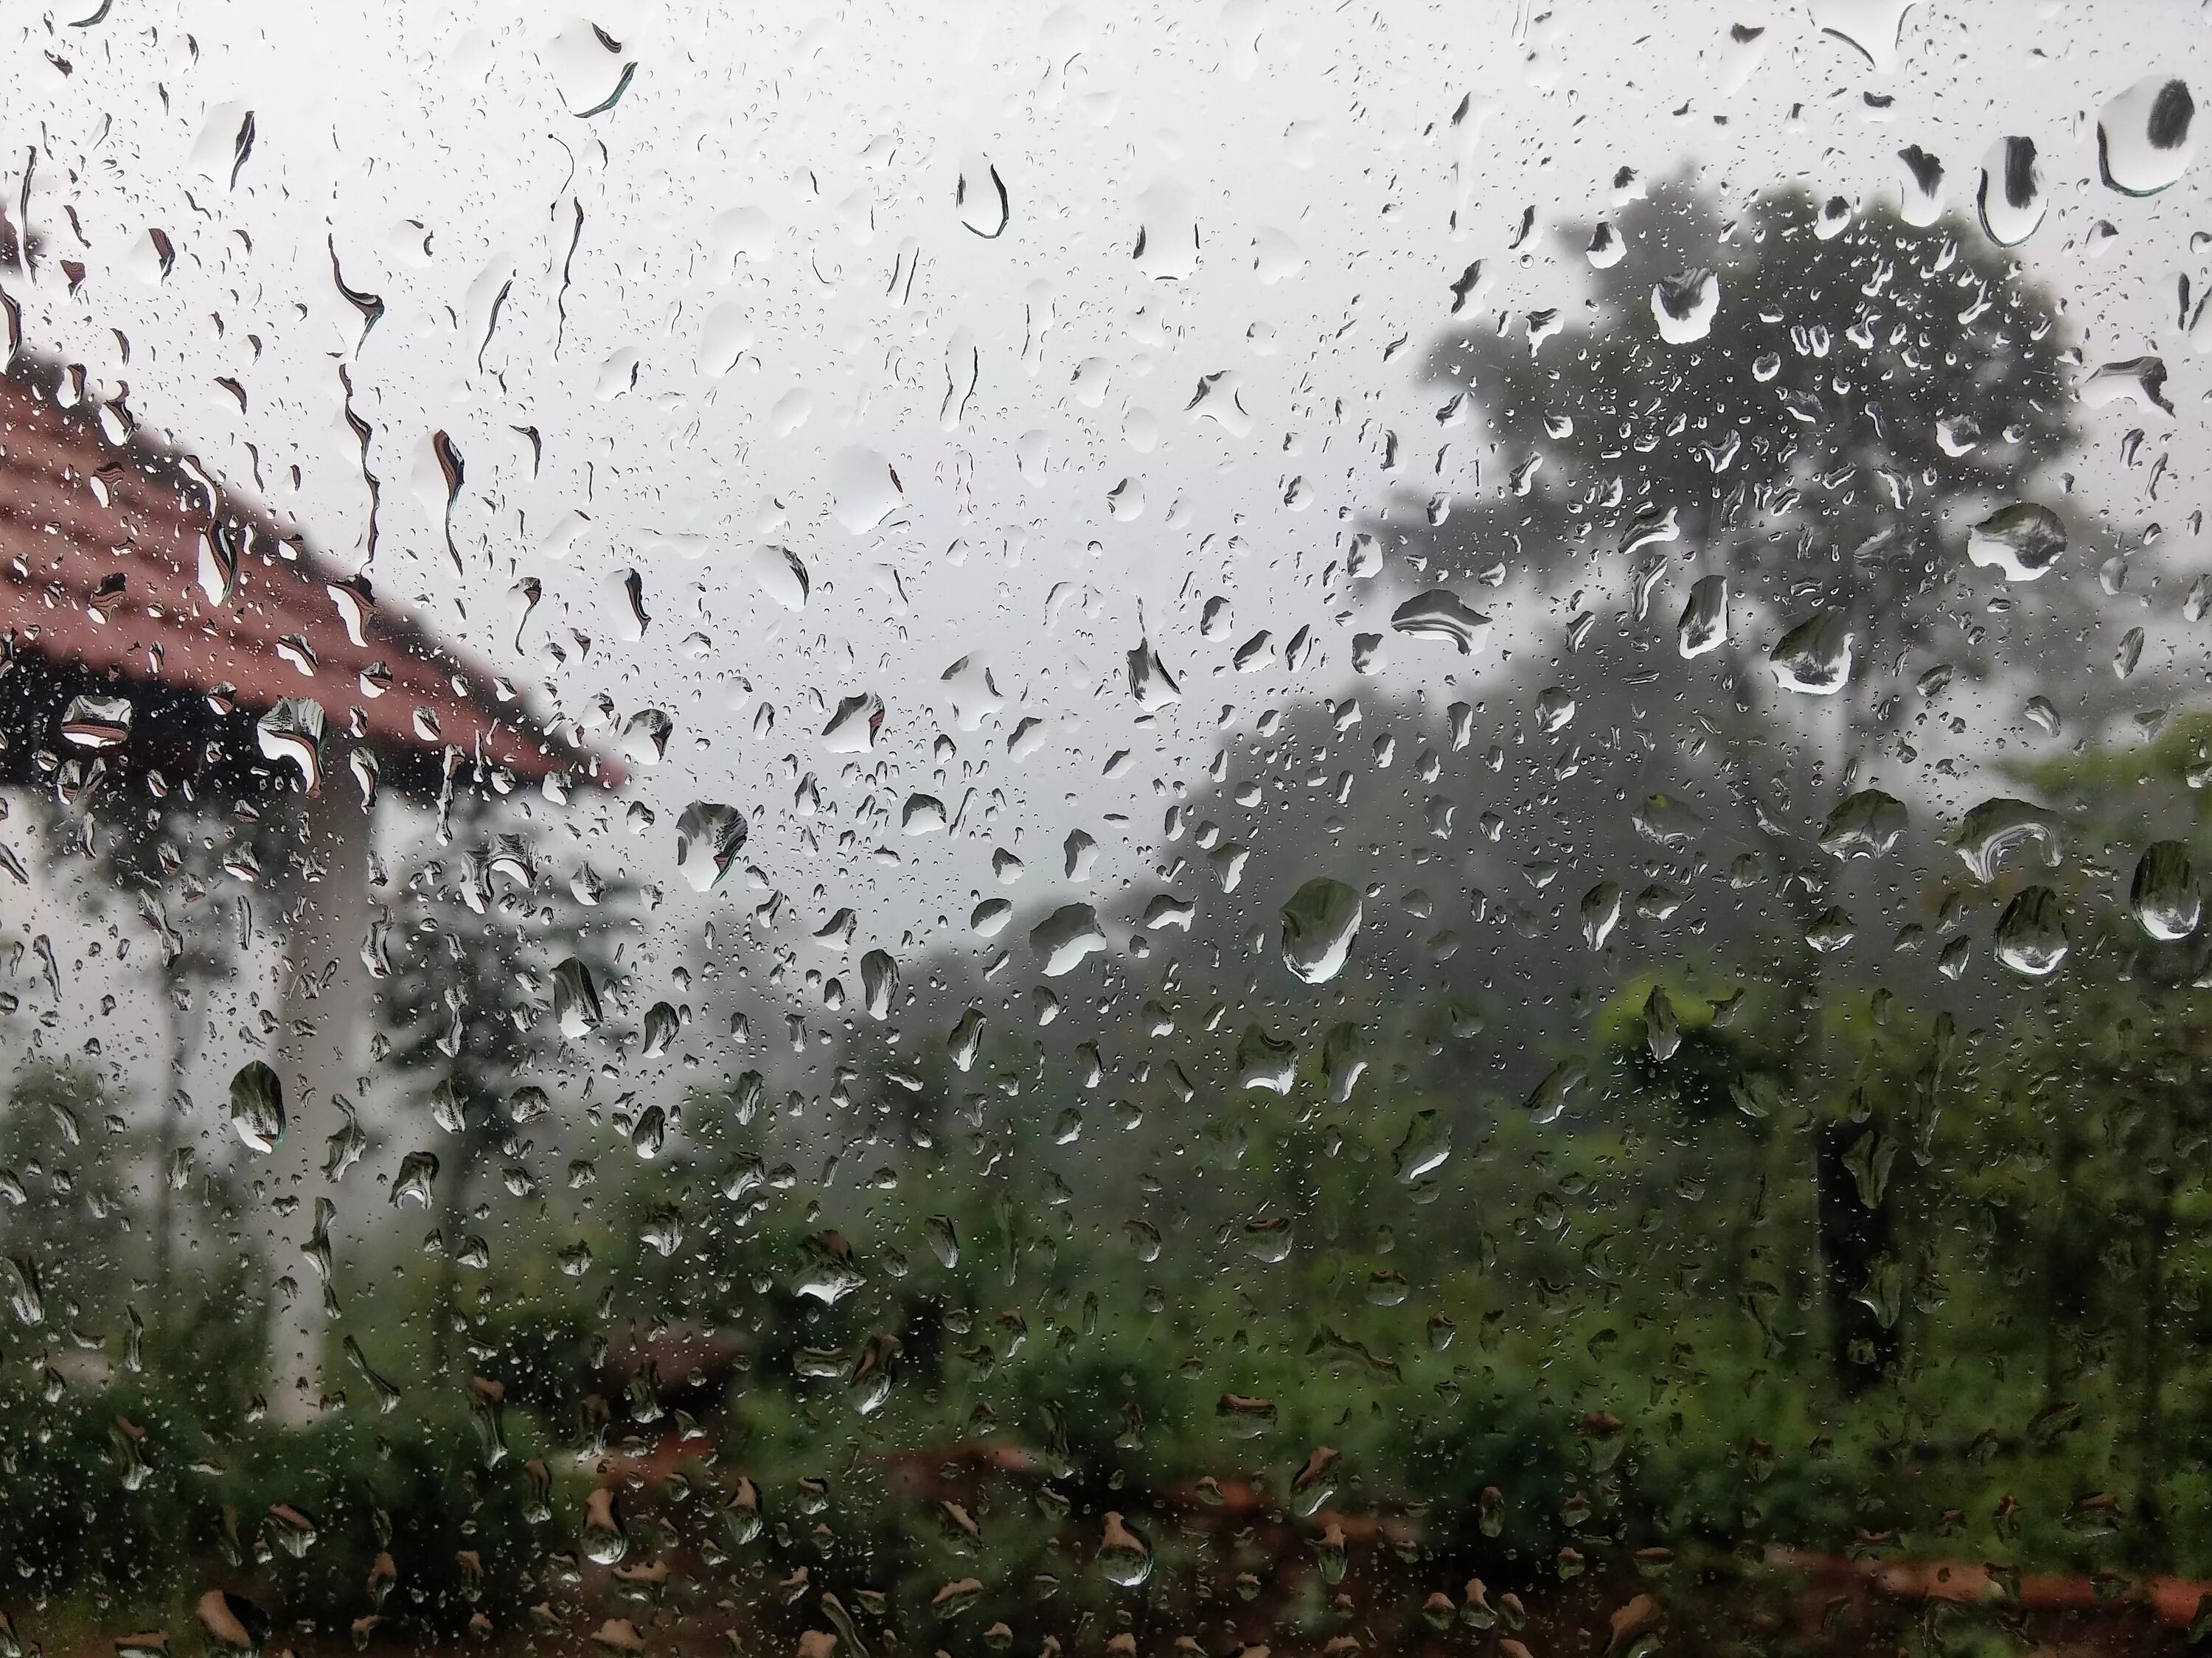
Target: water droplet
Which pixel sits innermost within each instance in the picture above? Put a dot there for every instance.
(1833, 930)
(1550, 1095)
(2139, 380)
(1150, 683)
(662, 1023)
(866, 489)
(1125, 1558)
(2010, 198)
(1426, 1144)
(1686, 305)
(233, 1622)
(2143, 142)
(1266, 1062)
(828, 1273)
(1065, 937)
(606, 1541)
(1662, 1027)
(1814, 657)
(879, 983)
(780, 575)
(97, 722)
(19, 1280)
(411, 1183)
(576, 999)
(1920, 198)
(944, 1241)
(1704, 623)
(1874, 28)
(221, 548)
(709, 838)
(2164, 893)
(1439, 613)
(292, 1529)
(852, 728)
(980, 198)
(2129, 653)
(2031, 936)
(1990, 833)
(1866, 824)
(965, 1037)
(1319, 924)
(1600, 913)
(2022, 541)
(256, 1106)
(293, 731)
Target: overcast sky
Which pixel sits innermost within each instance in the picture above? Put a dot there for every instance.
(779, 298)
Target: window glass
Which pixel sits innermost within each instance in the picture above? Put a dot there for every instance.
(1073, 831)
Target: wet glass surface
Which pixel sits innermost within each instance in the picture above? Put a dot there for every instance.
(1096, 833)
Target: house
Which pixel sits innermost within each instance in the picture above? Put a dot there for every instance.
(158, 632)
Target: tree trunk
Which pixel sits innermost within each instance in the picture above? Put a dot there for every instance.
(1851, 1237)
(2149, 1544)
(184, 1008)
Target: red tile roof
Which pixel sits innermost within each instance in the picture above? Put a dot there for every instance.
(113, 560)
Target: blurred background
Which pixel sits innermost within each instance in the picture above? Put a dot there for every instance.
(1219, 830)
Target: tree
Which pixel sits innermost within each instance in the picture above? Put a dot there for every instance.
(1781, 426)
(493, 968)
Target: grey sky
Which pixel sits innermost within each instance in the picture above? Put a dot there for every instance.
(773, 293)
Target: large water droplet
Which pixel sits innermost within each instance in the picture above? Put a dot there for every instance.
(852, 728)
(1125, 1558)
(1550, 1097)
(866, 489)
(780, 575)
(1065, 937)
(980, 198)
(1266, 1062)
(2010, 198)
(1150, 682)
(411, 1183)
(879, 983)
(1685, 305)
(2030, 936)
(2022, 541)
(1920, 196)
(1662, 1027)
(709, 838)
(1705, 623)
(1440, 613)
(1422, 1152)
(1990, 833)
(1864, 825)
(943, 1240)
(2139, 380)
(2143, 142)
(2164, 893)
(18, 1278)
(1319, 924)
(97, 722)
(1600, 913)
(604, 1540)
(293, 731)
(576, 999)
(1814, 657)
(256, 1106)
